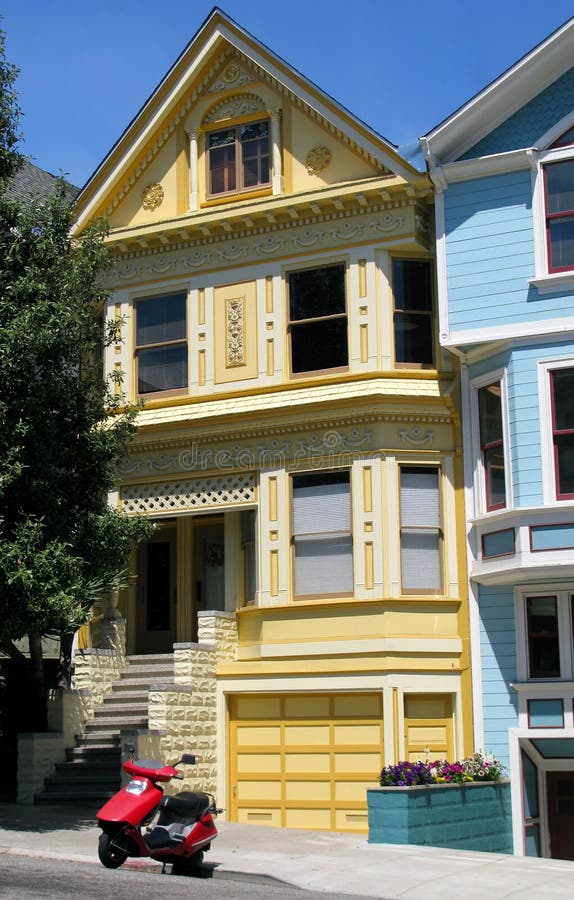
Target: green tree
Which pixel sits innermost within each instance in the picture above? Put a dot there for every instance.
(62, 428)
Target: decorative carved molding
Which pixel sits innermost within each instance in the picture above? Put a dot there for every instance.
(195, 260)
(417, 436)
(334, 442)
(235, 332)
(388, 223)
(161, 265)
(232, 75)
(232, 107)
(198, 493)
(318, 159)
(152, 196)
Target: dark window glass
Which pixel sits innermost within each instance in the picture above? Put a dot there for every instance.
(560, 213)
(318, 320)
(563, 429)
(543, 648)
(413, 320)
(161, 347)
(491, 443)
(238, 157)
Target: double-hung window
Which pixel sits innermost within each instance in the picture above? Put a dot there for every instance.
(420, 529)
(322, 539)
(558, 181)
(238, 158)
(318, 319)
(413, 312)
(161, 344)
(492, 445)
(562, 404)
(546, 619)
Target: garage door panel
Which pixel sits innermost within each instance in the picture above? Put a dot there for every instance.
(351, 734)
(311, 765)
(356, 762)
(248, 763)
(428, 726)
(258, 707)
(257, 791)
(307, 707)
(304, 735)
(256, 735)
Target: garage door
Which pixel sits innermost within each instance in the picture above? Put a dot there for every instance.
(304, 761)
(428, 725)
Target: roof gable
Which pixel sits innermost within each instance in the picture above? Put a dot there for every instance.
(514, 110)
(224, 70)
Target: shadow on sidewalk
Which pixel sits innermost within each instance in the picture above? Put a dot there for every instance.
(44, 818)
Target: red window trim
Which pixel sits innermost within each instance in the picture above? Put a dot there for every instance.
(490, 446)
(552, 217)
(561, 433)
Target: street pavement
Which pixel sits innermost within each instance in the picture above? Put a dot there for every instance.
(329, 862)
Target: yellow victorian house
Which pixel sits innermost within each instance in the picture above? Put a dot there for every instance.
(298, 444)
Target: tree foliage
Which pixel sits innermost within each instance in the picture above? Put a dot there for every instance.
(61, 430)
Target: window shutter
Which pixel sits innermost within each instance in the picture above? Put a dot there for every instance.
(322, 536)
(420, 529)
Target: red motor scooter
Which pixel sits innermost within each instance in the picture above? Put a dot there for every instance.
(178, 828)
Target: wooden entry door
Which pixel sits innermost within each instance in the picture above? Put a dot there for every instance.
(208, 565)
(157, 593)
(560, 789)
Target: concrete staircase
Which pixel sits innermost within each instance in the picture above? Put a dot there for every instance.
(92, 770)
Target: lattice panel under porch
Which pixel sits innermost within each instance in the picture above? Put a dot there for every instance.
(197, 493)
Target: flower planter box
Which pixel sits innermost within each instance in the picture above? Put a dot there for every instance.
(473, 816)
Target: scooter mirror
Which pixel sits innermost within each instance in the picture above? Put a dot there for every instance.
(129, 748)
(188, 759)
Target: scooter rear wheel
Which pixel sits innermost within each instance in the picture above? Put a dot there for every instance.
(112, 850)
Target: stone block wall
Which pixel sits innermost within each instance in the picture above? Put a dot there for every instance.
(219, 629)
(95, 670)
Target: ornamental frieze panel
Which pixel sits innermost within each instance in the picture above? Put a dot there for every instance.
(265, 242)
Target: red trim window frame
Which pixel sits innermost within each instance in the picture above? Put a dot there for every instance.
(491, 446)
(560, 437)
(564, 141)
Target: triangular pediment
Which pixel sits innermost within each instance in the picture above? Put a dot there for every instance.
(224, 76)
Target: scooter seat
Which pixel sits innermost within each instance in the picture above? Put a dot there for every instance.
(187, 805)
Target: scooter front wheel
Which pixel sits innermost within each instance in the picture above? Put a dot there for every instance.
(112, 850)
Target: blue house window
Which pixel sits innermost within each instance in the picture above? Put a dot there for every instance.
(492, 445)
(559, 198)
(562, 394)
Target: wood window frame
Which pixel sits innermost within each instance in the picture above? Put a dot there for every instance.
(294, 323)
(530, 637)
(563, 143)
(438, 529)
(558, 433)
(340, 595)
(239, 188)
(486, 447)
(422, 313)
(155, 345)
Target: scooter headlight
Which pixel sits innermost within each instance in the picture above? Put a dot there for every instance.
(136, 786)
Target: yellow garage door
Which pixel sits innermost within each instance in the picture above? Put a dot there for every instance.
(304, 761)
(428, 724)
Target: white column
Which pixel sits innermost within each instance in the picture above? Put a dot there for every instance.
(277, 181)
(193, 170)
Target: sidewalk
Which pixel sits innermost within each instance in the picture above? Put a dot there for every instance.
(314, 860)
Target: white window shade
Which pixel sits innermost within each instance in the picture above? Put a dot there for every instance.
(322, 534)
(321, 508)
(421, 568)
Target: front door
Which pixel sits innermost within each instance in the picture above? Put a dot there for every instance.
(560, 787)
(157, 593)
(209, 565)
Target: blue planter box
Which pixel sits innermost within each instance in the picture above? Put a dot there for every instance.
(473, 816)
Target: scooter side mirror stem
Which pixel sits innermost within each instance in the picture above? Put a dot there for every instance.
(188, 759)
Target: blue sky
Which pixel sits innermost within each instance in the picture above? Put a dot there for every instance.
(86, 68)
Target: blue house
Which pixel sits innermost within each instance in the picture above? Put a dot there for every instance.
(503, 167)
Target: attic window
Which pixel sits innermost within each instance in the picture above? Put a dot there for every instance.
(238, 158)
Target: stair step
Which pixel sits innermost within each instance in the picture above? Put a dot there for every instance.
(72, 797)
(126, 696)
(119, 708)
(113, 724)
(72, 767)
(140, 683)
(87, 779)
(101, 740)
(146, 658)
(147, 673)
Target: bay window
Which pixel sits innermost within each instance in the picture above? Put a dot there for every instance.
(322, 539)
(545, 624)
(161, 344)
(492, 445)
(318, 319)
(413, 312)
(420, 530)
